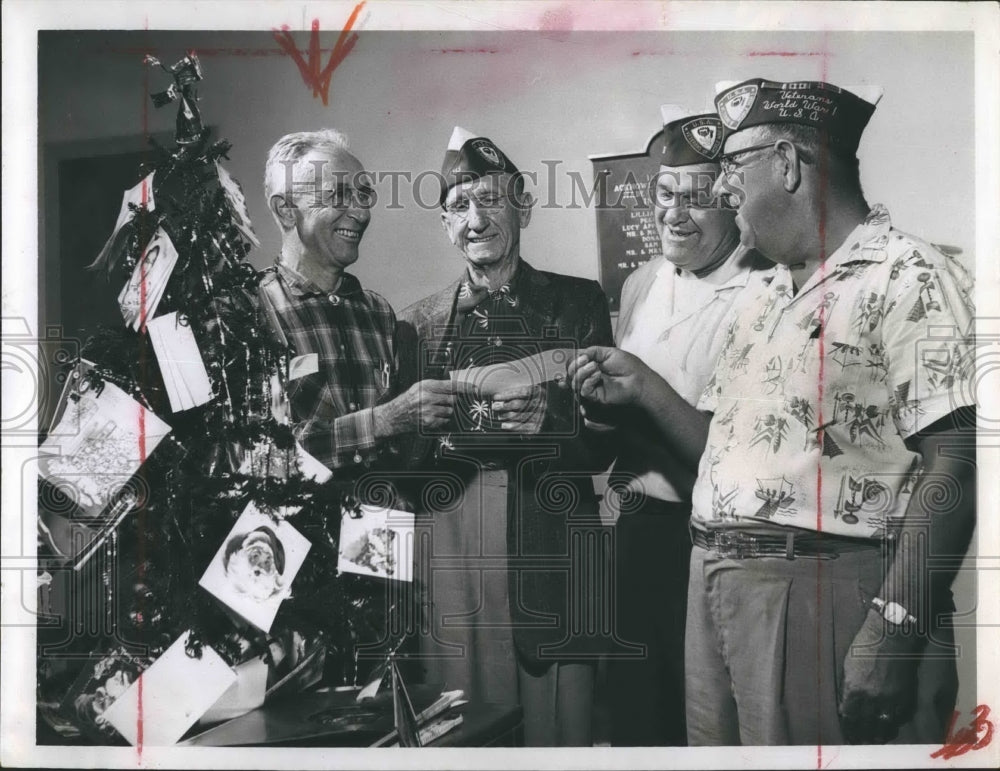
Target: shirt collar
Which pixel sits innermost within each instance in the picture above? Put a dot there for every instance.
(736, 269)
(476, 294)
(867, 242)
(300, 285)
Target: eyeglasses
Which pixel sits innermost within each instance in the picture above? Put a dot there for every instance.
(490, 202)
(729, 165)
(342, 196)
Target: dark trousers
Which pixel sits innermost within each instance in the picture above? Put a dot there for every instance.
(652, 555)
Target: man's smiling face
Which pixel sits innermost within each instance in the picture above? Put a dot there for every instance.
(691, 222)
(330, 220)
(483, 220)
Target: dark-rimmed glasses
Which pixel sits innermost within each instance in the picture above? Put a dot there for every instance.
(729, 165)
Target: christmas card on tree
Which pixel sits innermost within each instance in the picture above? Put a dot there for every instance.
(142, 294)
(246, 693)
(171, 695)
(238, 204)
(96, 689)
(183, 369)
(253, 570)
(376, 541)
(140, 195)
(101, 441)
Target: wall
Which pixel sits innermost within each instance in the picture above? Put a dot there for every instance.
(540, 96)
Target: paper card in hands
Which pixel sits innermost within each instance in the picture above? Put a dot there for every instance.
(175, 692)
(140, 296)
(115, 435)
(238, 203)
(529, 371)
(180, 361)
(378, 543)
(253, 570)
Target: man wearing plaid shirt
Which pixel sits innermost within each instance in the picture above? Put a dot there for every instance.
(343, 389)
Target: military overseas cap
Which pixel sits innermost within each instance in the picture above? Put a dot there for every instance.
(839, 114)
(470, 157)
(688, 139)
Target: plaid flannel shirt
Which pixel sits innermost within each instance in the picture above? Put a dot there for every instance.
(349, 335)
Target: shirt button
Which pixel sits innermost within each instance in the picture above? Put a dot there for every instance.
(334, 299)
(357, 457)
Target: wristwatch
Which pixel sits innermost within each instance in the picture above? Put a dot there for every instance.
(893, 612)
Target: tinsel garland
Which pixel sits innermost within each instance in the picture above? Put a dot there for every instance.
(190, 491)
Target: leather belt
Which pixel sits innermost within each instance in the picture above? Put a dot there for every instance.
(754, 543)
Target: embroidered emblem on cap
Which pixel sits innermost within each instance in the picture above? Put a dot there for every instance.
(704, 136)
(486, 149)
(737, 105)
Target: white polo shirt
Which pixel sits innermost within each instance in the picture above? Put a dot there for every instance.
(675, 322)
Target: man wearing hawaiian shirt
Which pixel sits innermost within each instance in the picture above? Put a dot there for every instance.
(842, 405)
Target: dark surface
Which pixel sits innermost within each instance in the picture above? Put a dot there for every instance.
(334, 719)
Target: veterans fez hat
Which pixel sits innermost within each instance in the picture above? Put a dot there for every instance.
(470, 157)
(688, 138)
(839, 114)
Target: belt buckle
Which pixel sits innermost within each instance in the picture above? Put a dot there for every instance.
(735, 545)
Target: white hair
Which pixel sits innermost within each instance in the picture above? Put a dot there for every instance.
(290, 148)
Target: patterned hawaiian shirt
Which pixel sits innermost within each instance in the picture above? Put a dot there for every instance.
(814, 392)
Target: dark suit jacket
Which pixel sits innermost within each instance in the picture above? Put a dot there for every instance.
(552, 512)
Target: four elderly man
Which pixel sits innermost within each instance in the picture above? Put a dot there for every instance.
(797, 418)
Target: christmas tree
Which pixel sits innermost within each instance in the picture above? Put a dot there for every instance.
(170, 432)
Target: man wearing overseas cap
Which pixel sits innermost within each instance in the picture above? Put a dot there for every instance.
(503, 566)
(673, 315)
(841, 407)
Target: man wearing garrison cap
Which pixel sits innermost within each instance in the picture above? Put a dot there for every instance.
(502, 570)
(841, 404)
(673, 317)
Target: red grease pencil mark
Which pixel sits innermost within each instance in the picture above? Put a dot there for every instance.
(968, 738)
(315, 78)
(141, 543)
(786, 53)
(465, 50)
(824, 177)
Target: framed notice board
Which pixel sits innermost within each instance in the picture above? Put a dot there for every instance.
(626, 233)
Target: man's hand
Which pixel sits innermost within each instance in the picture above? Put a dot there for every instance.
(880, 682)
(608, 376)
(521, 409)
(426, 405)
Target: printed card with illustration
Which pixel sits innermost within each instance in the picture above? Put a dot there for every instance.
(174, 692)
(100, 442)
(529, 371)
(376, 541)
(253, 570)
(142, 294)
(97, 687)
(183, 368)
